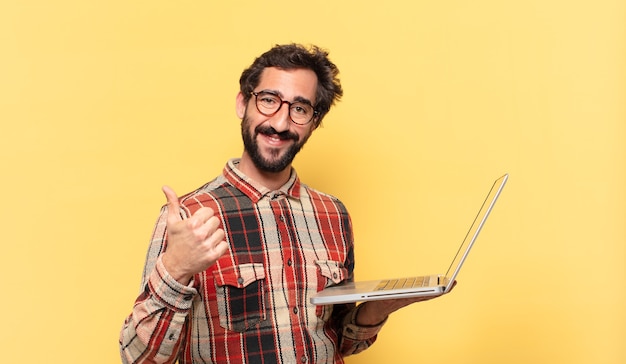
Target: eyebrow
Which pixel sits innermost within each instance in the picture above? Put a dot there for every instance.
(301, 99)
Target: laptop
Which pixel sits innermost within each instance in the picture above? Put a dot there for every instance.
(419, 286)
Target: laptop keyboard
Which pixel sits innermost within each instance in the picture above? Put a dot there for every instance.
(403, 283)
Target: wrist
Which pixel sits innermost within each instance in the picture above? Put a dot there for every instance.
(181, 277)
(366, 316)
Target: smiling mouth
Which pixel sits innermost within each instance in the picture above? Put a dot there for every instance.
(273, 141)
(276, 138)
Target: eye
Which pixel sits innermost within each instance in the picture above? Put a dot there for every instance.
(301, 109)
(268, 99)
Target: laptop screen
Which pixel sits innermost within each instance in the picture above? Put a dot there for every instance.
(477, 225)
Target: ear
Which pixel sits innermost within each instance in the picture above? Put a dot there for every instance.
(316, 123)
(240, 106)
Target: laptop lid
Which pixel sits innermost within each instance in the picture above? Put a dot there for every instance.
(474, 230)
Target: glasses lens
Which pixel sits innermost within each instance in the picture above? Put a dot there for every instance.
(268, 103)
(301, 113)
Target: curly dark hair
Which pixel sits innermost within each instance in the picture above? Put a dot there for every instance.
(294, 56)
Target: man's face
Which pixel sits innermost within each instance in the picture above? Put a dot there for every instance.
(272, 142)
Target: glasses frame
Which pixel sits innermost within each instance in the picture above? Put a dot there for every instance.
(256, 103)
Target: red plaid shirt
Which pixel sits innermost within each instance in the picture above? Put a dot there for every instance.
(252, 306)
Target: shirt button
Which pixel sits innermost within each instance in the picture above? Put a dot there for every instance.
(335, 275)
(303, 359)
(295, 310)
(281, 218)
(289, 262)
(240, 280)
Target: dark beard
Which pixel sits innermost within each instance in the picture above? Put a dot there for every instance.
(277, 163)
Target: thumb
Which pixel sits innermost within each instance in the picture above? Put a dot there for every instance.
(173, 207)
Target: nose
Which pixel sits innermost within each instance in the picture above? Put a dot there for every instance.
(281, 121)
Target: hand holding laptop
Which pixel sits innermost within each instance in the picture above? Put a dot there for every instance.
(373, 313)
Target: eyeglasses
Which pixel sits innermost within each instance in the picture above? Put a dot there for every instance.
(268, 104)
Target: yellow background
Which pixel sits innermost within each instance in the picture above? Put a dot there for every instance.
(102, 102)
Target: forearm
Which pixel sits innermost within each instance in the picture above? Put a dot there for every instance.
(356, 336)
(153, 331)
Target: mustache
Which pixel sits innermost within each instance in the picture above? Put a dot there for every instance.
(269, 131)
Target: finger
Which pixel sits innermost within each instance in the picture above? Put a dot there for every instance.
(208, 233)
(173, 207)
(201, 219)
(219, 249)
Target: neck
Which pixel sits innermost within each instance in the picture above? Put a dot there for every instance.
(270, 180)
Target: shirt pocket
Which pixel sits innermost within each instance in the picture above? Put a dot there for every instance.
(330, 273)
(241, 299)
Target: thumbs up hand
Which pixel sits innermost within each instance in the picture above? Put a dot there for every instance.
(194, 244)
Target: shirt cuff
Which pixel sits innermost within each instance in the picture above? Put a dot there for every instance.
(169, 291)
(356, 332)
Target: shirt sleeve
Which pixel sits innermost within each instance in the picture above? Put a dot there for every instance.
(156, 327)
(356, 338)
(353, 338)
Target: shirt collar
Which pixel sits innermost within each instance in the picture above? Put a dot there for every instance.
(254, 190)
